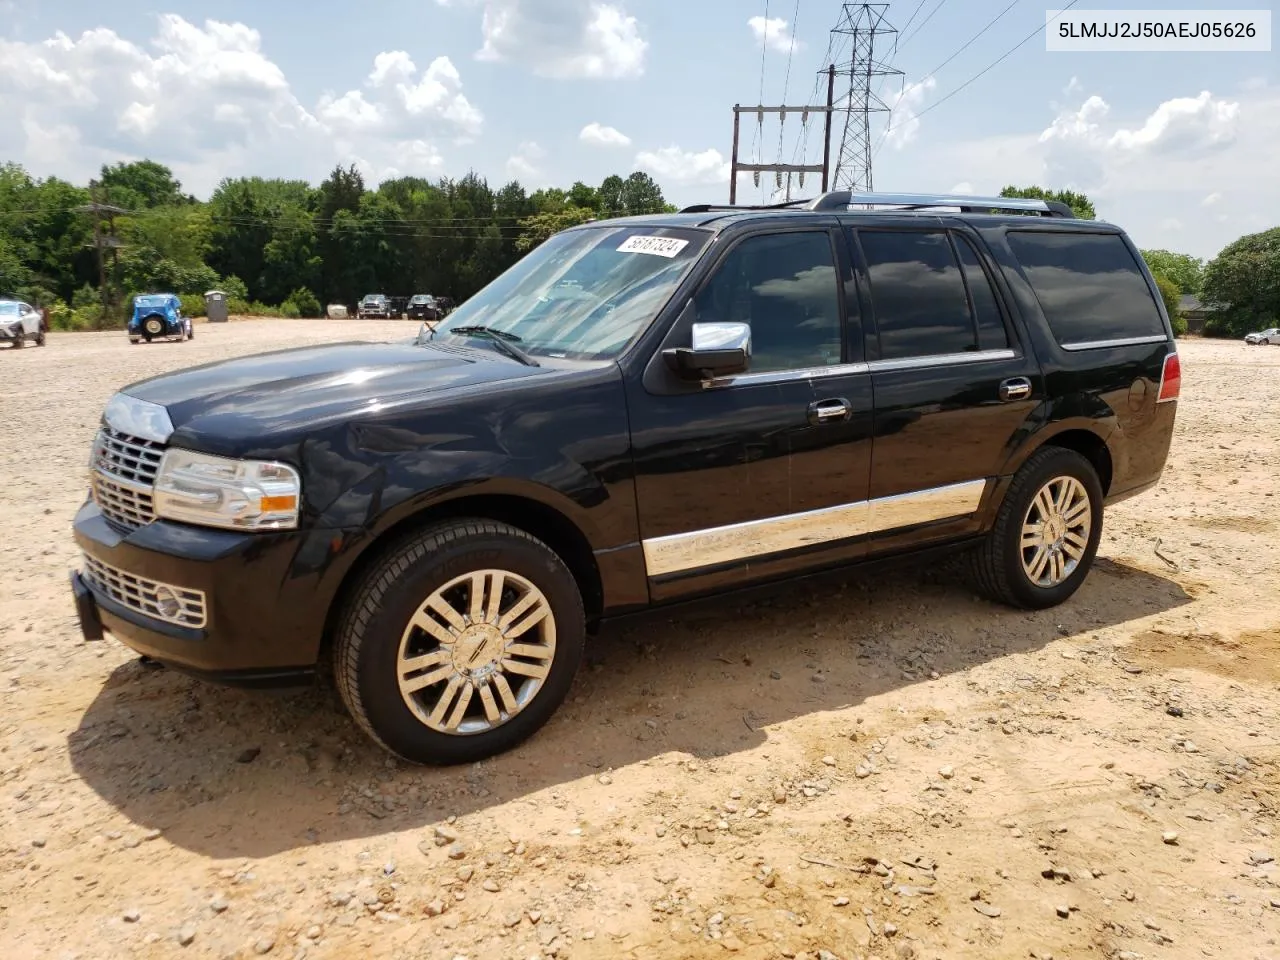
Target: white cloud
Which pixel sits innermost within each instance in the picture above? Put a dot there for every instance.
(1185, 123)
(1073, 86)
(905, 105)
(564, 39)
(523, 164)
(1211, 199)
(206, 100)
(963, 187)
(674, 165)
(601, 136)
(773, 34)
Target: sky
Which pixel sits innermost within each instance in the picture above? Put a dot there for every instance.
(1180, 149)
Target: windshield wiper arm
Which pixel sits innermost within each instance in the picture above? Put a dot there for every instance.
(500, 339)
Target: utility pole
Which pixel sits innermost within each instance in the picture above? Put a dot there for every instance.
(103, 241)
(778, 169)
(865, 25)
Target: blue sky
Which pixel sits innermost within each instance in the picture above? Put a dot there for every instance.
(1178, 148)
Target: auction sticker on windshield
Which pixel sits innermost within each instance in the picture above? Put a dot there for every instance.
(658, 246)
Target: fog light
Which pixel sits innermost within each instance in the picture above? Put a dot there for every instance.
(167, 603)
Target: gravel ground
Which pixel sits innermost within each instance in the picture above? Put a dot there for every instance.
(887, 768)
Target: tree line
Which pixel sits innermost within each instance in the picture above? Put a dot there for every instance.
(279, 246)
(287, 247)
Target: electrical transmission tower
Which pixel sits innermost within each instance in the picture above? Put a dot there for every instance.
(868, 31)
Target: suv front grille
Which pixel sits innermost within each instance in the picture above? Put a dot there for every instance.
(162, 601)
(124, 470)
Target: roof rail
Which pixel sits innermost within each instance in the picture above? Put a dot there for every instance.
(843, 199)
(729, 207)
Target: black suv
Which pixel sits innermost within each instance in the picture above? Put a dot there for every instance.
(641, 411)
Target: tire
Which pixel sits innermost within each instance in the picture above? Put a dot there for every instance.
(134, 341)
(191, 332)
(40, 339)
(997, 567)
(379, 624)
(20, 340)
(153, 326)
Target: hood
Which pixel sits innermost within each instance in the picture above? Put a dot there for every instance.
(282, 392)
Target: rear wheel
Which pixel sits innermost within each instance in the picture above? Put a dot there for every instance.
(20, 340)
(1046, 533)
(460, 642)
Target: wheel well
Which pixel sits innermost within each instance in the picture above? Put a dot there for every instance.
(546, 523)
(1091, 447)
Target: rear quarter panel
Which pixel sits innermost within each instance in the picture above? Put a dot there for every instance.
(1109, 390)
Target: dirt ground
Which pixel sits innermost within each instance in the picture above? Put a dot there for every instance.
(886, 768)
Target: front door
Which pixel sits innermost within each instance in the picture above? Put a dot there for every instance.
(748, 477)
(954, 387)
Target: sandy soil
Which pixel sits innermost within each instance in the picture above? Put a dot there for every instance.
(890, 768)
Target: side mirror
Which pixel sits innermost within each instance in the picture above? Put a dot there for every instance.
(716, 350)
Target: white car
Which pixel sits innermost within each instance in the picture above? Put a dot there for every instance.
(20, 322)
(1271, 335)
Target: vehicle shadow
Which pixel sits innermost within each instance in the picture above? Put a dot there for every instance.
(229, 774)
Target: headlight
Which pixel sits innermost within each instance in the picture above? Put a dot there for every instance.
(220, 492)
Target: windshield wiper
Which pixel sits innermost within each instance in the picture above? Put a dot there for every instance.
(500, 339)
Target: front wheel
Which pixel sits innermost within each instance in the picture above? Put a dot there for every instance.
(460, 642)
(1046, 533)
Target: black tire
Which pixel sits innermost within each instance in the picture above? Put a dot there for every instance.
(367, 644)
(40, 340)
(996, 567)
(19, 340)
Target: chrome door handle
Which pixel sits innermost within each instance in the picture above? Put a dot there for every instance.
(830, 411)
(1015, 388)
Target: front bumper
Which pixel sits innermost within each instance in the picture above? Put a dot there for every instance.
(11, 332)
(262, 621)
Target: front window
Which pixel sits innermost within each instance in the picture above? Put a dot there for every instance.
(584, 294)
(8, 309)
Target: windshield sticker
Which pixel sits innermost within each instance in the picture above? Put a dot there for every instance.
(658, 246)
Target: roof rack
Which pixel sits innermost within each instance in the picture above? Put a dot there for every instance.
(844, 199)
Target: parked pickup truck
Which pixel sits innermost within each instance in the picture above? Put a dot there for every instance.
(638, 413)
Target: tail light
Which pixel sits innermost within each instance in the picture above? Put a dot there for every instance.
(1170, 378)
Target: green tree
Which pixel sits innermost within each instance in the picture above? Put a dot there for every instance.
(1080, 205)
(641, 194)
(536, 229)
(1183, 269)
(140, 184)
(1171, 296)
(1243, 284)
(610, 196)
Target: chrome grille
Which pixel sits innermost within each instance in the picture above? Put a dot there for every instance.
(163, 601)
(124, 469)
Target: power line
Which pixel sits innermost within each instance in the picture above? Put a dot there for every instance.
(907, 39)
(786, 83)
(989, 67)
(764, 49)
(965, 46)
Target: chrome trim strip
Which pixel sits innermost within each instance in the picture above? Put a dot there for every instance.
(679, 552)
(925, 506)
(138, 418)
(940, 360)
(1119, 342)
(787, 376)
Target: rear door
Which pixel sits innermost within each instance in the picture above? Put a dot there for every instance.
(954, 384)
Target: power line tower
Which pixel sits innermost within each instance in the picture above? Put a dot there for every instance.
(865, 26)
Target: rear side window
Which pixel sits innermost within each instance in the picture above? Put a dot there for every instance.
(1088, 285)
(919, 294)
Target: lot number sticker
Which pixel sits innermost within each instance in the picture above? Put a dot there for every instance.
(658, 246)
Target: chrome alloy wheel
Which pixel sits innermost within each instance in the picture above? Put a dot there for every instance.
(1055, 531)
(476, 652)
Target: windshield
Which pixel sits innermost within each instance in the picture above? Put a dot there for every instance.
(154, 301)
(421, 299)
(374, 298)
(8, 309)
(584, 294)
